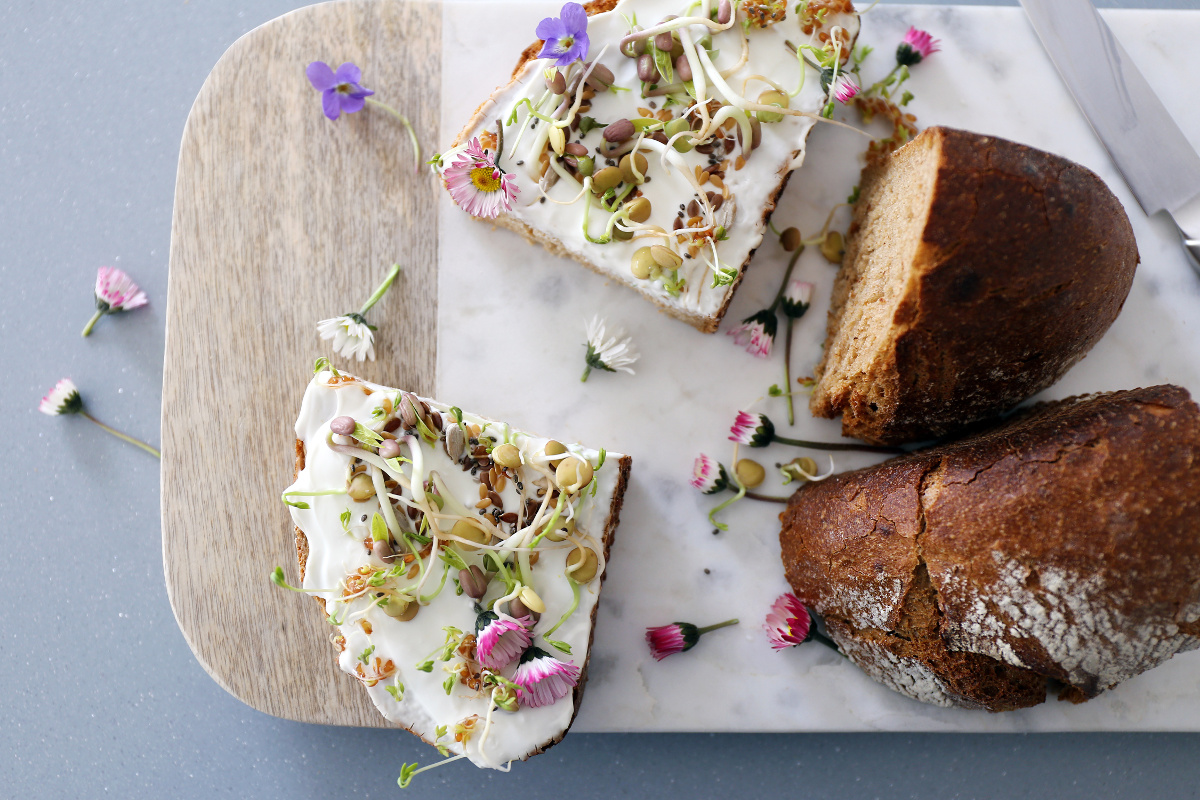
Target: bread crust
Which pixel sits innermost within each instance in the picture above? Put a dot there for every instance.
(624, 465)
(704, 323)
(1024, 262)
(1060, 545)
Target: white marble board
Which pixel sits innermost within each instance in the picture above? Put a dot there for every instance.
(511, 328)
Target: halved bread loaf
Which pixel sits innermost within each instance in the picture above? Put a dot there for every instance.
(1061, 546)
(977, 272)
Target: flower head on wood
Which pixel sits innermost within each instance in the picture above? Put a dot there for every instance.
(755, 430)
(757, 333)
(667, 640)
(917, 45)
(352, 336)
(115, 292)
(607, 353)
(709, 476)
(477, 185)
(565, 36)
(500, 639)
(62, 399)
(796, 299)
(340, 91)
(542, 679)
(788, 622)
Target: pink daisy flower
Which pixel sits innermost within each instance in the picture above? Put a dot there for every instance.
(788, 623)
(542, 679)
(500, 639)
(477, 185)
(844, 89)
(708, 475)
(667, 640)
(757, 333)
(62, 399)
(917, 45)
(796, 298)
(755, 430)
(115, 292)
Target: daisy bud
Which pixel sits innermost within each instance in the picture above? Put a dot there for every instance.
(796, 299)
(750, 429)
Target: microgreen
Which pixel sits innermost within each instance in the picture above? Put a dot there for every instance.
(365, 655)
(278, 579)
(379, 529)
(448, 684)
(345, 518)
(397, 691)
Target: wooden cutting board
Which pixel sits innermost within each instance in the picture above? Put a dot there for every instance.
(283, 218)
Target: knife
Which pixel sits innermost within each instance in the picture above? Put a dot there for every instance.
(1153, 155)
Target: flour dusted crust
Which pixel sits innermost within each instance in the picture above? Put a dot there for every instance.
(1060, 546)
(977, 272)
(750, 221)
(621, 465)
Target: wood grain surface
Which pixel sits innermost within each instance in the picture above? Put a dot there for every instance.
(283, 218)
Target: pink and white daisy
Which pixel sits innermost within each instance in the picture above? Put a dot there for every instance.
(501, 639)
(62, 399)
(115, 292)
(788, 623)
(757, 333)
(708, 475)
(844, 88)
(796, 298)
(667, 640)
(477, 185)
(542, 679)
(917, 45)
(755, 430)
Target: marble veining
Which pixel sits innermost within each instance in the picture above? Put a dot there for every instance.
(511, 332)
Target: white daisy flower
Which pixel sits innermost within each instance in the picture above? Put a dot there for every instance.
(62, 399)
(609, 354)
(352, 336)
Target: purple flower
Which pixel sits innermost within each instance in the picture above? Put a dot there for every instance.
(917, 45)
(750, 429)
(542, 679)
(565, 36)
(796, 299)
(757, 333)
(340, 91)
(500, 639)
(708, 476)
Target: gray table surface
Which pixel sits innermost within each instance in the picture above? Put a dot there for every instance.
(102, 696)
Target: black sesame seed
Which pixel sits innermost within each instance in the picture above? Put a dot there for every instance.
(716, 531)
(541, 200)
(707, 571)
(364, 518)
(521, 163)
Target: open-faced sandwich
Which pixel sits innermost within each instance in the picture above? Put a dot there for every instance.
(459, 561)
(650, 140)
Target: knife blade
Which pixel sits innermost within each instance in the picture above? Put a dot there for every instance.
(1154, 157)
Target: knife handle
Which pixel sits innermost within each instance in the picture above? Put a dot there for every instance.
(1192, 247)
(1187, 221)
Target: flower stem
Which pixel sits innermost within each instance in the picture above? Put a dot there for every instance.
(817, 636)
(786, 277)
(787, 370)
(381, 291)
(708, 628)
(407, 126)
(865, 448)
(87, 329)
(712, 515)
(766, 498)
(587, 371)
(120, 435)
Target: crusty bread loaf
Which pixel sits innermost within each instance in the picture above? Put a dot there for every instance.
(1062, 545)
(977, 272)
